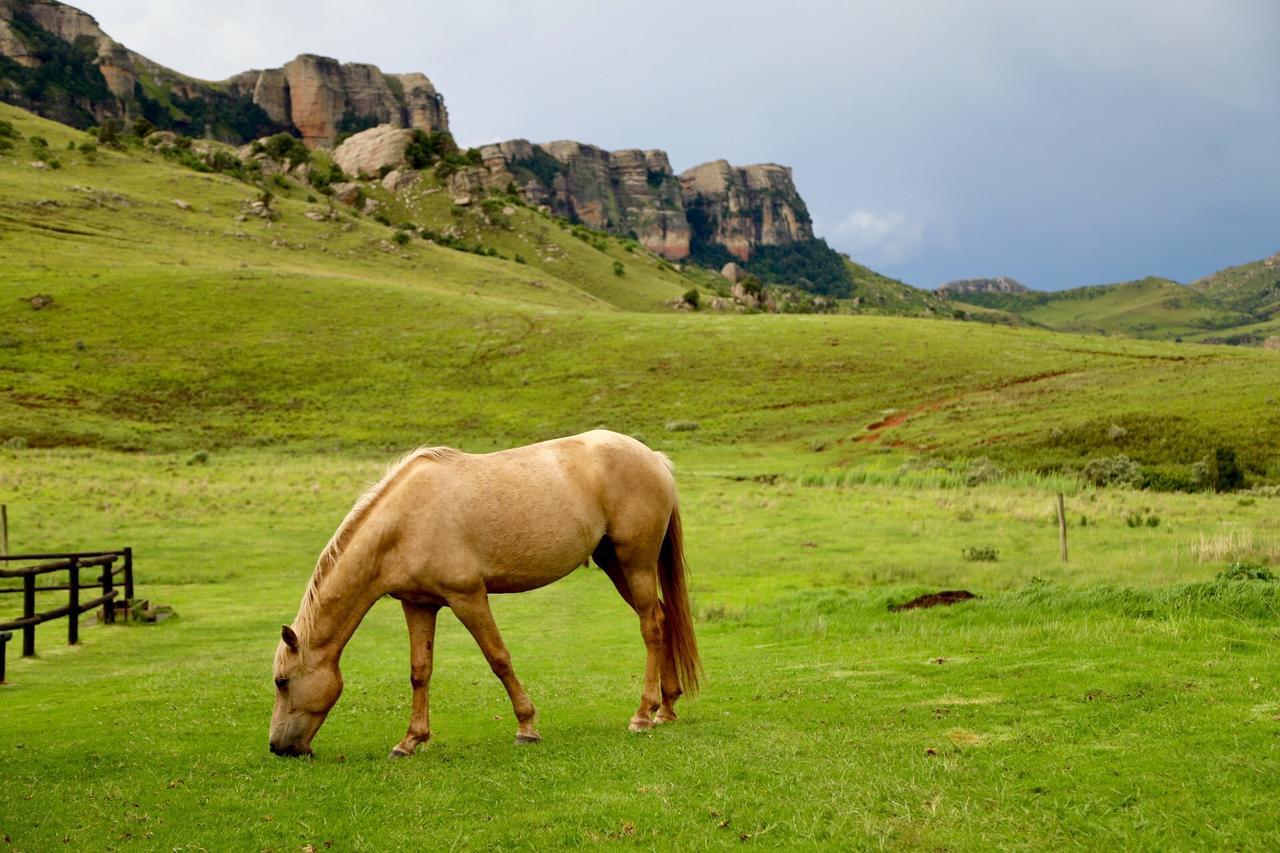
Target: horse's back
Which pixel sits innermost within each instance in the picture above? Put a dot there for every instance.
(527, 515)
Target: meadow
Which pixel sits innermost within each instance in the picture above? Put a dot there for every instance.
(217, 401)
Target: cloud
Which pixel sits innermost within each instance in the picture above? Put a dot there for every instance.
(888, 239)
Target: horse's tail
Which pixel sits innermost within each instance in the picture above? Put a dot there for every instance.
(677, 619)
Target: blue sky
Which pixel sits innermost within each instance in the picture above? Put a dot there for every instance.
(1058, 143)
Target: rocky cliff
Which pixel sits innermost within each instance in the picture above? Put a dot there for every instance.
(636, 193)
(743, 208)
(56, 61)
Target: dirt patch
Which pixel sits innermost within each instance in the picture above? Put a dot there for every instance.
(935, 599)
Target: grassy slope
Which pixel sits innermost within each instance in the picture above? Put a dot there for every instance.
(1123, 699)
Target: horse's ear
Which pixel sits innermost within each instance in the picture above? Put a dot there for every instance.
(290, 638)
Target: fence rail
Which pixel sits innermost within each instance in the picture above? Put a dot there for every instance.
(72, 564)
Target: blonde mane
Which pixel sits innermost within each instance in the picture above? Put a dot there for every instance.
(342, 536)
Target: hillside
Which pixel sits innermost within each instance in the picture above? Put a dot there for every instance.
(179, 319)
(1155, 308)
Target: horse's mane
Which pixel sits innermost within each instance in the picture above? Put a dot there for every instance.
(342, 536)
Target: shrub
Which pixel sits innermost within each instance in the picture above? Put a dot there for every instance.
(88, 148)
(618, 269)
(982, 470)
(520, 259)
(1246, 572)
(692, 298)
(401, 238)
(7, 130)
(981, 554)
(109, 133)
(1117, 470)
(286, 148)
(382, 218)
(1219, 471)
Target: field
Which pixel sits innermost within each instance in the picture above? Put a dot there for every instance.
(218, 401)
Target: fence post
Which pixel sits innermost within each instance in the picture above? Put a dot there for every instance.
(28, 610)
(1062, 527)
(73, 623)
(5, 637)
(110, 604)
(4, 532)
(128, 575)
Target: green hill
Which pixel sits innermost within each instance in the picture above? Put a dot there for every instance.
(178, 321)
(1155, 308)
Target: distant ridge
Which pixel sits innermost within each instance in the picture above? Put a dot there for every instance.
(999, 284)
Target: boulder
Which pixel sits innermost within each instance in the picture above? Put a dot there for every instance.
(372, 150)
(733, 272)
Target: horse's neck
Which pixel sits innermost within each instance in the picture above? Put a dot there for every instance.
(334, 606)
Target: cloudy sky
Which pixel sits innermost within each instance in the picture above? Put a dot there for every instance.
(1061, 143)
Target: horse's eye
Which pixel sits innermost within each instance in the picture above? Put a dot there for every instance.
(282, 683)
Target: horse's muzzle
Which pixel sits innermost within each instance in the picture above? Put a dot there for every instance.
(290, 751)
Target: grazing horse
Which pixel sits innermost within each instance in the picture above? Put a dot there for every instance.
(446, 529)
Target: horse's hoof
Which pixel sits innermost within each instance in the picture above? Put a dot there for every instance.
(664, 718)
(521, 740)
(640, 725)
(397, 752)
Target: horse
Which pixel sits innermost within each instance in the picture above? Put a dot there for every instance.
(444, 528)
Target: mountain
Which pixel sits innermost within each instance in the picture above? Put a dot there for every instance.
(56, 61)
(967, 286)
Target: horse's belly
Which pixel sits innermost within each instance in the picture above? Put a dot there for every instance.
(514, 568)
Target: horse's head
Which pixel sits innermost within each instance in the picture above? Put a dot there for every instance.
(306, 688)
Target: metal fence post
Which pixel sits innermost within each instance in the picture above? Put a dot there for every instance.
(73, 618)
(28, 610)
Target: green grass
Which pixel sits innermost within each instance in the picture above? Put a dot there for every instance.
(215, 393)
(1123, 699)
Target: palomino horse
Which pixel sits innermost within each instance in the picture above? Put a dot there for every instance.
(446, 529)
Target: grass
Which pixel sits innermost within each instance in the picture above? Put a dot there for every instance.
(1070, 703)
(215, 393)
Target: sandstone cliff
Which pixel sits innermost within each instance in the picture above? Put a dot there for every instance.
(630, 192)
(744, 207)
(56, 61)
(636, 193)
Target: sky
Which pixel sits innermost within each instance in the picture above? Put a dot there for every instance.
(1058, 143)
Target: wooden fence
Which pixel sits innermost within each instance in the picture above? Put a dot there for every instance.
(73, 564)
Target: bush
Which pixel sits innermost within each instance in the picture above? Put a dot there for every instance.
(692, 298)
(401, 238)
(1246, 572)
(1117, 470)
(618, 269)
(981, 554)
(520, 259)
(1219, 471)
(982, 470)
(7, 130)
(286, 148)
(88, 148)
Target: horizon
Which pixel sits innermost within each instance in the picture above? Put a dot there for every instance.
(1056, 148)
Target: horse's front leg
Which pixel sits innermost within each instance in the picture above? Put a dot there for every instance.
(422, 637)
(474, 613)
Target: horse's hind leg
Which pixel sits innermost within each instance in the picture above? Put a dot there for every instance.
(607, 560)
(422, 636)
(473, 612)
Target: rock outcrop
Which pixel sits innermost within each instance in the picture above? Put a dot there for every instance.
(371, 151)
(635, 193)
(999, 284)
(744, 207)
(95, 78)
(630, 192)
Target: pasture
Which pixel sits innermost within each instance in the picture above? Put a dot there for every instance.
(218, 405)
(1125, 698)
